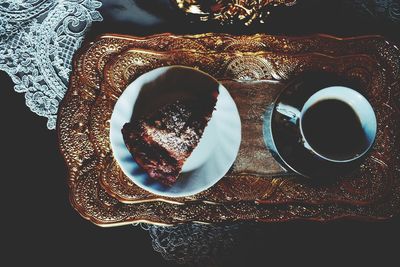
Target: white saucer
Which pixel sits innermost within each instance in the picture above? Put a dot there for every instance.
(210, 160)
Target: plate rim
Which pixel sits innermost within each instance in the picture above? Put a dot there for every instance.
(150, 189)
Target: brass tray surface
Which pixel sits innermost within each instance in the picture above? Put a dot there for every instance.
(99, 189)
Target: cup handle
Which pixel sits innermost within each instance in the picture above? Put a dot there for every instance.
(293, 115)
(288, 111)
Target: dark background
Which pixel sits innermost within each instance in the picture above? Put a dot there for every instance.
(39, 225)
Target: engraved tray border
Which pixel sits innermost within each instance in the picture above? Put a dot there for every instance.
(228, 190)
(113, 222)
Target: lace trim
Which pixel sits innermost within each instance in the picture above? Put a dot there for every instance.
(386, 10)
(193, 243)
(38, 39)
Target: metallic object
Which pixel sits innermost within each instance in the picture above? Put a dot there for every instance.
(230, 11)
(101, 193)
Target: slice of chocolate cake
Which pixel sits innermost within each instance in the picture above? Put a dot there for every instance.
(162, 141)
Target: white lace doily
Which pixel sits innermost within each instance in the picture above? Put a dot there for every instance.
(37, 41)
(193, 243)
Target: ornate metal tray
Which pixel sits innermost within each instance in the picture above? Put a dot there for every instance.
(83, 128)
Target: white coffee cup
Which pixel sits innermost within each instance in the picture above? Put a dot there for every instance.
(361, 107)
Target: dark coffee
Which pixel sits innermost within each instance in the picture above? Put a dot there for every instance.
(333, 129)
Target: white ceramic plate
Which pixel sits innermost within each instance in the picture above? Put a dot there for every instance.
(210, 160)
